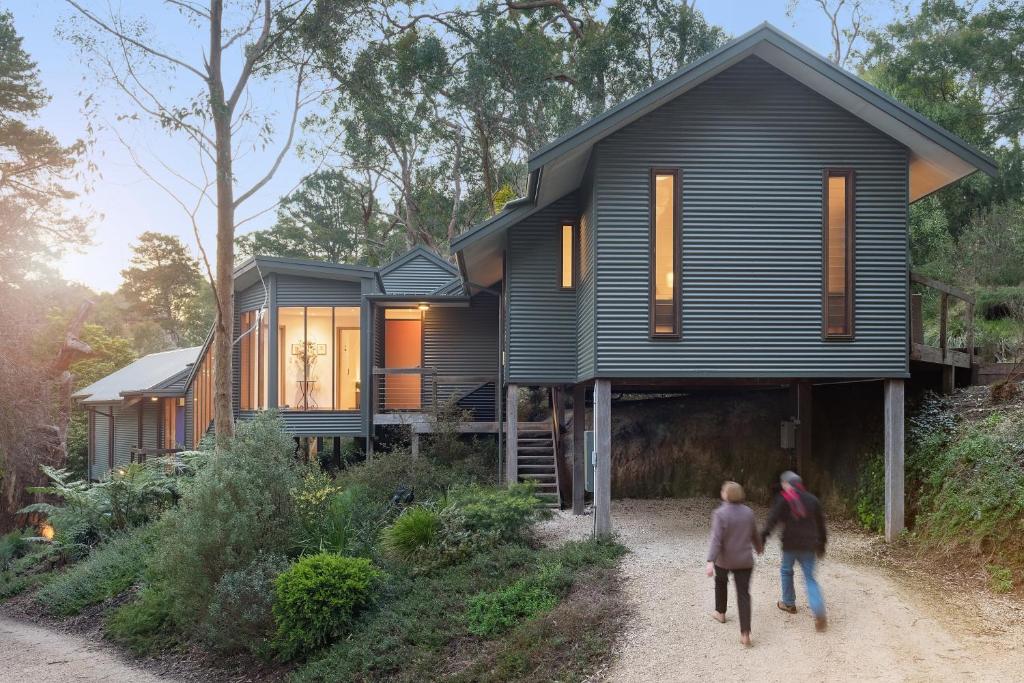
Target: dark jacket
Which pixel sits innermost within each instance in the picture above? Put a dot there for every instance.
(733, 537)
(799, 534)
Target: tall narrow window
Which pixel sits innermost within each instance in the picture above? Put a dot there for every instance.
(568, 271)
(838, 229)
(253, 352)
(665, 309)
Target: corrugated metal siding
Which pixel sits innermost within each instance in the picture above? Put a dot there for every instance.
(752, 144)
(190, 417)
(126, 433)
(307, 291)
(419, 275)
(100, 458)
(542, 316)
(151, 424)
(463, 341)
(317, 423)
(586, 287)
(252, 298)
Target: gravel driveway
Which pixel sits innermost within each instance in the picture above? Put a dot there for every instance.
(880, 629)
(36, 654)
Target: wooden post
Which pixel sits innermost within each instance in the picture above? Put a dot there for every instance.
(369, 446)
(415, 445)
(893, 458)
(805, 416)
(969, 343)
(916, 319)
(579, 456)
(943, 322)
(512, 435)
(603, 465)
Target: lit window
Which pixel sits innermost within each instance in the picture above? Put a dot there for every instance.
(318, 351)
(568, 255)
(665, 253)
(838, 214)
(253, 389)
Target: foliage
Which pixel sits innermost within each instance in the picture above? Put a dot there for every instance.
(870, 501)
(240, 615)
(502, 515)
(415, 529)
(145, 624)
(316, 599)
(239, 504)
(388, 472)
(330, 217)
(494, 612)
(36, 171)
(12, 546)
(162, 282)
(993, 246)
(131, 497)
(1000, 578)
(109, 571)
(420, 619)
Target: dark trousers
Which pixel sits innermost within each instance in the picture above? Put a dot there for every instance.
(741, 577)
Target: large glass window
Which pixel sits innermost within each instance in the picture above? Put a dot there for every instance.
(838, 214)
(665, 254)
(318, 358)
(253, 370)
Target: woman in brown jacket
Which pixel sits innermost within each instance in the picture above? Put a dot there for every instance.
(734, 538)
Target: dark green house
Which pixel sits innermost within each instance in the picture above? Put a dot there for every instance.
(743, 222)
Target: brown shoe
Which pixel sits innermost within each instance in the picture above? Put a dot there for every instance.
(786, 608)
(745, 639)
(820, 623)
(718, 616)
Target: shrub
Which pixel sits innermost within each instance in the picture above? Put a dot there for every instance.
(107, 572)
(870, 502)
(146, 624)
(498, 514)
(239, 504)
(1000, 579)
(240, 615)
(494, 612)
(346, 522)
(131, 497)
(388, 472)
(12, 546)
(415, 529)
(316, 599)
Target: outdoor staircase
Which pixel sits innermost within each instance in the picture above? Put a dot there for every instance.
(536, 459)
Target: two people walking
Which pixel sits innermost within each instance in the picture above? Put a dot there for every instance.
(735, 539)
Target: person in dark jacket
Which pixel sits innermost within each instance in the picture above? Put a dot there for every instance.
(803, 542)
(733, 538)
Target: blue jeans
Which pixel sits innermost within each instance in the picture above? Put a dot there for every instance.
(807, 562)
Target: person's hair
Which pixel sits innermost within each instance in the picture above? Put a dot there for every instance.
(733, 492)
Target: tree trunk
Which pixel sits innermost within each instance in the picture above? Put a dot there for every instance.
(224, 285)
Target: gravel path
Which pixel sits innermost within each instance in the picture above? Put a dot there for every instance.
(880, 629)
(33, 653)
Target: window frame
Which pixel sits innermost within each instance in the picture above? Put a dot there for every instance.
(849, 251)
(574, 224)
(677, 253)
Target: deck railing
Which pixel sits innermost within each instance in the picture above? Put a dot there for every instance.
(945, 352)
(423, 390)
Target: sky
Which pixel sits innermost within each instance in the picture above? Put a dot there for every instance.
(124, 202)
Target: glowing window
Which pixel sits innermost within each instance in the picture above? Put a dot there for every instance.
(838, 211)
(568, 256)
(665, 253)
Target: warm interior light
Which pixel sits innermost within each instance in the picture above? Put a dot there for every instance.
(154, 398)
(46, 531)
(424, 307)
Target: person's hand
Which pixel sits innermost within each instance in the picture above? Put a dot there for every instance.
(711, 569)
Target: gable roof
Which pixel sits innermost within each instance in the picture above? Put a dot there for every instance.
(155, 372)
(417, 271)
(937, 156)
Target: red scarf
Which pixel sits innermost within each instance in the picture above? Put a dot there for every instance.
(796, 505)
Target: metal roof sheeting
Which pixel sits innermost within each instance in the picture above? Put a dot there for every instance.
(145, 373)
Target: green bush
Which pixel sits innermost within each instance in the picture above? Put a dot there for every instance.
(499, 514)
(240, 615)
(387, 472)
(240, 504)
(146, 624)
(316, 599)
(109, 571)
(346, 522)
(870, 502)
(414, 530)
(12, 546)
(1000, 579)
(494, 612)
